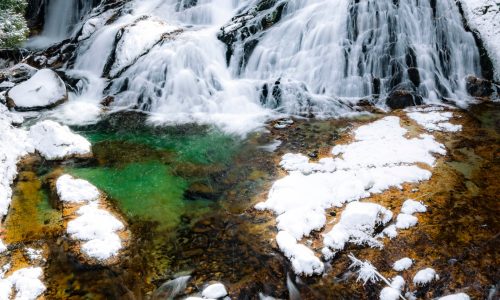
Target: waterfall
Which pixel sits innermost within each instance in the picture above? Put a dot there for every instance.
(294, 57)
(339, 48)
(61, 18)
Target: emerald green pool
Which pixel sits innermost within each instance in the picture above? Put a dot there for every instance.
(147, 171)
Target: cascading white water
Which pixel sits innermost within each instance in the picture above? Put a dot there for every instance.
(337, 48)
(163, 56)
(61, 17)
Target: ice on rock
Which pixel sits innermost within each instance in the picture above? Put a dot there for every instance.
(357, 225)
(98, 228)
(411, 206)
(425, 276)
(55, 141)
(459, 296)
(403, 264)
(303, 259)
(214, 291)
(44, 90)
(73, 190)
(405, 221)
(435, 121)
(26, 283)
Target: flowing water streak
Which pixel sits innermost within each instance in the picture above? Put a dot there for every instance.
(337, 48)
(61, 18)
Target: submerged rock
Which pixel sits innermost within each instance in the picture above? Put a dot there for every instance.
(44, 90)
(478, 87)
(401, 99)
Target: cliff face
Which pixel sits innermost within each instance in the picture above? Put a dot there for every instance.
(35, 14)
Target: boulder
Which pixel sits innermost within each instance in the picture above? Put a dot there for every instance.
(400, 99)
(44, 90)
(477, 87)
(18, 73)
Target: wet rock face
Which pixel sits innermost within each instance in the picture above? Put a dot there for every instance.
(399, 99)
(248, 26)
(35, 15)
(478, 87)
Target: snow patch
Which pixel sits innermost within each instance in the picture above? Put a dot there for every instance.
(411, 206)
(425, 276)
(435, 121)
(393, 291)
(403, 264)
(459, 296)
(214, 291)
(73, 190)
(381, 157)
(98, 228)
(302, 258)
(14, 144)
(357, 225)
(55, 141)
(26, 283)
(405, 221)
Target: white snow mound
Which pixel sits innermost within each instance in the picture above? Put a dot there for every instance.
(357, 225)
(14, 144)
(403, 264)
(214, 291)
(459, 296)
(74, 190)
(99, 229)
(425, 276)
(26, 283)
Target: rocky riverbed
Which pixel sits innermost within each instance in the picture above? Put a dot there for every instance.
(195, 216)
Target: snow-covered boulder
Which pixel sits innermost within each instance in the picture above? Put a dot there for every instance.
(137, 39)
(55, 141)
(44, 90)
